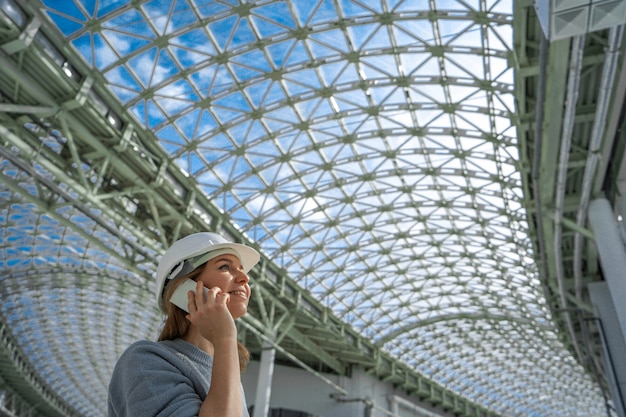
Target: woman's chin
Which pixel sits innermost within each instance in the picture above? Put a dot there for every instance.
(237, 310)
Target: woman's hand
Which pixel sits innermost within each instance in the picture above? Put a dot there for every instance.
(210, 314)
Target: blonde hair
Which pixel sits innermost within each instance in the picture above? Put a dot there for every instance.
(176, 325)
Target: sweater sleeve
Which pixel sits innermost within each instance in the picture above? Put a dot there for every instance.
(150, 380)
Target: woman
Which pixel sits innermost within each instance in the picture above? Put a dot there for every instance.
(194, 369)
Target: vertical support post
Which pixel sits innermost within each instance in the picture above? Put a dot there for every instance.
(264, 384)
(608, 297)
(612, 254)
(395, 410)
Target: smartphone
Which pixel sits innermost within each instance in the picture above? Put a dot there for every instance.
(179, 298)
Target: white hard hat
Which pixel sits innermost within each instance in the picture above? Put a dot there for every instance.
(193, 250)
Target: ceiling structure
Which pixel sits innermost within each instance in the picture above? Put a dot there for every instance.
(415, 174)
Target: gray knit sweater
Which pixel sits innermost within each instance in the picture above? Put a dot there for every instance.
(169, 378)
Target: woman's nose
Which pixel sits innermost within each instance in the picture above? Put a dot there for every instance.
(241, 276)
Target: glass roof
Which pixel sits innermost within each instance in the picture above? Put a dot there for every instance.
(367, 147)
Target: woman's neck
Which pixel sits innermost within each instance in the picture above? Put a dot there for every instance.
(195, 338)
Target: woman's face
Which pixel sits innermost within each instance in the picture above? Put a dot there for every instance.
(226, 273)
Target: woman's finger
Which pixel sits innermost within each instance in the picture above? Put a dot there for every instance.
(223, 296)
(199, 294)
(191, 304)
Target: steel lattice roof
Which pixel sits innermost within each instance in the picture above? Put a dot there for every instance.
(367, 148)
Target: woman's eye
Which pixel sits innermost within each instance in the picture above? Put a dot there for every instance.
(225, 267)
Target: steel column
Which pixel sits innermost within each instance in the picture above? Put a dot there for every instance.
(264, 385)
